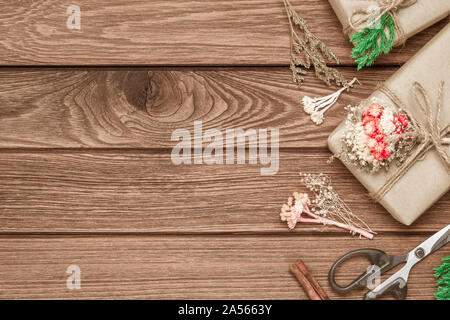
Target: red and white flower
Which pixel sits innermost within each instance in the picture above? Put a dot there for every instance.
(375, 111)
(372, 137)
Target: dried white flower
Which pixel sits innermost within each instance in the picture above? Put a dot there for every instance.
(308, 105)
(317, 117)
(387, 121)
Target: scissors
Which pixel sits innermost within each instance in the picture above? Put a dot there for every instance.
(382, 262)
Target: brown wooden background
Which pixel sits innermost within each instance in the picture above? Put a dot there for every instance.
(85, 171)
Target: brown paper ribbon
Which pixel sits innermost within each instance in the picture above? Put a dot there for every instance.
(430, 134)
(362, 18)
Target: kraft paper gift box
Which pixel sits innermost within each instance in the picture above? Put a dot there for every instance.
(412, 19)
(428, 179)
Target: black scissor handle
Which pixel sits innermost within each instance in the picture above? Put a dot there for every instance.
(376, 257)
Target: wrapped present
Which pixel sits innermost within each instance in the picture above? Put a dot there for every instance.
(397, 142)
(375, 26)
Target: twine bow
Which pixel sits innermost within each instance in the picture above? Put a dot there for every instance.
(430, 134)
(364, 18)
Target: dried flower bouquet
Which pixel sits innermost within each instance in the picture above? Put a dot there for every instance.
(376, 135)
(327, 208)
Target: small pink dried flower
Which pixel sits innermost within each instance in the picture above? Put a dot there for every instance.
(375, 110)
(297, 210)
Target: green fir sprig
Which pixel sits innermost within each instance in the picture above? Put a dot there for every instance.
(373, 41)
(443, 274)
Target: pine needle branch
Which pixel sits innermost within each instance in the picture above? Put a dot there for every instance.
(372, 42)
(443, 272)
(307, 50)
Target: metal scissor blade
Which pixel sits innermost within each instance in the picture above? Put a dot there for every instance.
(433, 243)
(396, 283)
(441, 242)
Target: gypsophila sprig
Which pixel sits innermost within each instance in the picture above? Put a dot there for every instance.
(326, 208)
(376, 135)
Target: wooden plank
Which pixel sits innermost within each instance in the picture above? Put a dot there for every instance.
(191, 267)
(141, 108)
(181, 32)
(145, 192)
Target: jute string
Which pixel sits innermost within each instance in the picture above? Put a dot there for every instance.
(430, 134)
(363, 18)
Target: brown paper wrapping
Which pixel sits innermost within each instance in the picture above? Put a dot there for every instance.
(413, 19)
(427, 180)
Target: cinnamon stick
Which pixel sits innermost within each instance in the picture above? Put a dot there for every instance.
(314, 283)
(310, 291)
